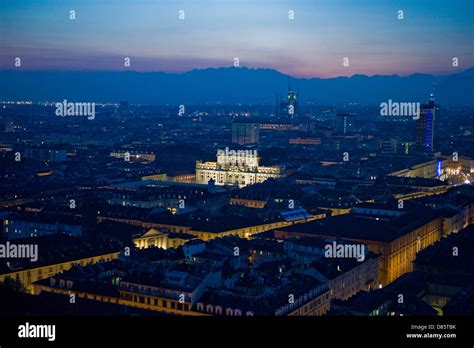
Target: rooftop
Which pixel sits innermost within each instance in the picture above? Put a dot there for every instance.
(363, 228)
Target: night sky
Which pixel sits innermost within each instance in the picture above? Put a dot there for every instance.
(259, 33)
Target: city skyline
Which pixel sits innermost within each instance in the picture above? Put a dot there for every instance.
(237, 161)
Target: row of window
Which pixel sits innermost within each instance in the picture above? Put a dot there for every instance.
(152, 301)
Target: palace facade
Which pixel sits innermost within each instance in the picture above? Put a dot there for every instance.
(239, 167)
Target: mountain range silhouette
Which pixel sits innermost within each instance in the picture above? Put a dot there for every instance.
(231, 86)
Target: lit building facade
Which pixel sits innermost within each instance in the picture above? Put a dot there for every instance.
(289, 106)
(396, 253)
(425, 127)
(31, 225)
(27, 276)
(236, 168)
(344, 123)
(46, 154)
(159, 239)
(292, 101)
(133, 155)
(245, 133)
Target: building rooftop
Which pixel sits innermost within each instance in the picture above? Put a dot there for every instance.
(441, 256)
(333, 267)
(44, 218)
(58, 248)
(296, 285)
(363, 228)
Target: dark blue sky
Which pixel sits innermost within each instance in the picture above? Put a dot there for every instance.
(259, 33)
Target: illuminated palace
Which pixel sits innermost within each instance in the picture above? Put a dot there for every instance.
(239, 167)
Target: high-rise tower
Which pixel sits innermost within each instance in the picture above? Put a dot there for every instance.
(292, 101)
(425, 126)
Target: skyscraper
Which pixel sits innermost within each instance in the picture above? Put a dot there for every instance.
(425, 126)
(292, 101)
(288, 107)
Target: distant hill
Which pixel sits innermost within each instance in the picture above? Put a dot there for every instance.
(231, 85)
